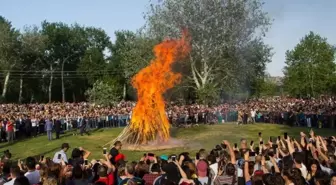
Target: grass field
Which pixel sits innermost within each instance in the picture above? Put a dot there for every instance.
(195, 138)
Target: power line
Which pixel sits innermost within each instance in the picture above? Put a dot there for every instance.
(65, 74)
(47, 71)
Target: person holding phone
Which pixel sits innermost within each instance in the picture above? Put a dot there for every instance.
(115, 151)
(227, 172)
(61, 155)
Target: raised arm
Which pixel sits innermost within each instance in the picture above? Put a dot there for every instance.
(298, 145)
(290, 146)
(246, 167)
(324, 146)
(86, 152)
(263, 165)
(183, 174)
(276, 168)
(303, 139)
(232, 154)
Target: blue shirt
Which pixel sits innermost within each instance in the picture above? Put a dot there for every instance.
(48, 125)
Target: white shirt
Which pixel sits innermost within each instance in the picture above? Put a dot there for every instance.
(253, 113)
(33, 122)
(304, 171)
(33, 177)
(63, 156)
(214, 167)
(326, 170)
(11, 182)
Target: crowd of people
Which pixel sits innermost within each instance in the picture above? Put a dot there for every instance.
(309, 160)
(29, 120)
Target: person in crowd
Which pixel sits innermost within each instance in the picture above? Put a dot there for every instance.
(78, 156)
(154, 173)
(32, 174)
(41, 123)
(61, 155)
(202, 172)
(106, 172)
(309, 160)
(58, 126)
(28, 126)
(84, 126)
(5, 175)
(34, 126)
(22, 181)
(129, 173)
(49, 128)
(10, 130)
(115, 151)
(314, 169)
(14, 173)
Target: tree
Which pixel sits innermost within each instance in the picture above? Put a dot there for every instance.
(65, 46)
(93, 64)
(265, 87)
(310, 67)
(130, 53)
(31, 56)
(9, 48)
(104, 92)
(221, 32)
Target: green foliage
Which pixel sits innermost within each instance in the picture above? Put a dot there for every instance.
(310, 67)
(104, 92)
(266, 88)
(208, 95)
(132, 51)
(92, 65)
(226, 48)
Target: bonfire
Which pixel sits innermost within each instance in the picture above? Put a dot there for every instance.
(149, 121)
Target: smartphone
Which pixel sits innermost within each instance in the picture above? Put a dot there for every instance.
(197, 156)
(279, 138)
(259, 134)
(252, 154)
(104, 150)
(235, 145)
(223, 146)
(251, 143)
(285, 135)
(261, 142)
(150, 154)
(173, 158)
(59, 156)
(86, 162)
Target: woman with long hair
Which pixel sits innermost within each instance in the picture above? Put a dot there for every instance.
(314, 168)
(293, 177)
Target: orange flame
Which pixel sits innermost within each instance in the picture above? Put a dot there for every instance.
(149, 120)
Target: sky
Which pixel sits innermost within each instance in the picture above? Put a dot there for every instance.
(292, 19)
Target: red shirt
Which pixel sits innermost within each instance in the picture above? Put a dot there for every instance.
(149, 178)
(107, 180)
(10, 126)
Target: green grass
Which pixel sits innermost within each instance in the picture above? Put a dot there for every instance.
(195, 138)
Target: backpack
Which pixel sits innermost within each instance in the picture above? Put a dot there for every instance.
(159, 179)
(135, 179)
